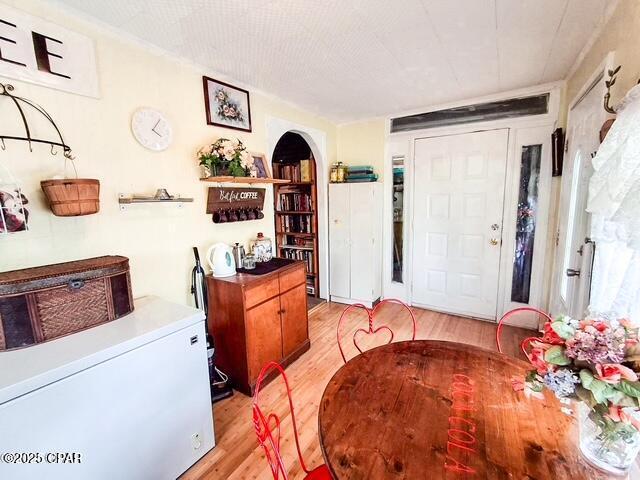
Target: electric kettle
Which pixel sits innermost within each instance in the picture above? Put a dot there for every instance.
(220, 258)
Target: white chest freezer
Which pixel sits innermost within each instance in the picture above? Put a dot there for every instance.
(128, 399)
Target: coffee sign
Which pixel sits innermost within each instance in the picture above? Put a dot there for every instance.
(36, 51)
(221, 198)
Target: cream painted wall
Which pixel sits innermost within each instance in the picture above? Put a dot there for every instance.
(621, 34)
(156, 238)
(362, 143)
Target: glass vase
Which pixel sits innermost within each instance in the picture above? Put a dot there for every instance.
(608, 446)
(220, 170)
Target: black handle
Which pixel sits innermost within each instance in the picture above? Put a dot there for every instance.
(76, 284)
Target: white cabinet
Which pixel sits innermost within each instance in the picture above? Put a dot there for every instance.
(355, 242)
(130, 398)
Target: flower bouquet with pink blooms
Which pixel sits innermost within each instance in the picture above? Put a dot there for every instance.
(593, 361)
(225, 157)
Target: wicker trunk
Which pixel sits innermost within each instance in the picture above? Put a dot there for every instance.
(43, 303)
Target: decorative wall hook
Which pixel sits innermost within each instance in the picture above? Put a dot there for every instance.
(22, 104)
(610, 83)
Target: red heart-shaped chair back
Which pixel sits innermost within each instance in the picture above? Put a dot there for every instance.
(373, 328)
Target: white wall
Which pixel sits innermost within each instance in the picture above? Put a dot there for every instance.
(156, 238)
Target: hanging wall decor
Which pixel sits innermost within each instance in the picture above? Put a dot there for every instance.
(235, 204)
(66, 197)
(37, 51)
(13, 213)
(227, 106)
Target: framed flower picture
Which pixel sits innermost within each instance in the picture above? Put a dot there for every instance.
(227, 106)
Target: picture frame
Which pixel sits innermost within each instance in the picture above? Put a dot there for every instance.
(13, 213)
(261, 165)
(226, 105)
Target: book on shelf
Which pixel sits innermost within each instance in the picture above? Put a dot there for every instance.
(290, 172)
(294, 202)
(359, 170)
(305, 255)
(305, 170)
(311, 289)
(296, 224)
(298, 242)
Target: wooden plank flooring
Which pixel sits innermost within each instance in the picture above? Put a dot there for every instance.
(237, 455)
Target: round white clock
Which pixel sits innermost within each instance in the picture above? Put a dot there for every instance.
(151, 129)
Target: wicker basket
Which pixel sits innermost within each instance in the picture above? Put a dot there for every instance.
(72, 197)
(42, 303)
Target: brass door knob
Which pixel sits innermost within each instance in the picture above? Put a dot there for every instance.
(493, 241)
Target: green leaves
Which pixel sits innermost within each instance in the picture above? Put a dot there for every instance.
(598, 388)
(629, 388)
(563, 329)
(555, 355)
(625, 394)
(586, 378)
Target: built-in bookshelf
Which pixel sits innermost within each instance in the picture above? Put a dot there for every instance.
(296, 223)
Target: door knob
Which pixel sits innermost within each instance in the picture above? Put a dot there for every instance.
(493, 241)
(572, 272)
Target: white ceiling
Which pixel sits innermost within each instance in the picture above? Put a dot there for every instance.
(355, 59)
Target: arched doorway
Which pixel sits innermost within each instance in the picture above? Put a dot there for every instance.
(296, 207)
(317, 140)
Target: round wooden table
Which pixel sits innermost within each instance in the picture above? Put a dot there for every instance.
(429, 410)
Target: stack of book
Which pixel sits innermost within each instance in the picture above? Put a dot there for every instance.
(295, 202)
(290, 172)
(361, 173)
(296, 224)
(311, 287)
(305, 255)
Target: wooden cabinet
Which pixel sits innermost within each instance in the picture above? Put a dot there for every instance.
(293, 307)
(255, 319)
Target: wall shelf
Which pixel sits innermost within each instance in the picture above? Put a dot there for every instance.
(229, 179)
(125, 201)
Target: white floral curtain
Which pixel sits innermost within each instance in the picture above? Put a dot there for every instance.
(614, 202)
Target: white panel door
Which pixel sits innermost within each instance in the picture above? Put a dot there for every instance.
(361, 202)
(339, 239)
(575, 253)
(457, 221)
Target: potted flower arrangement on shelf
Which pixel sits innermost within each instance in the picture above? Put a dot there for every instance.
(225, 157)
(594, 361)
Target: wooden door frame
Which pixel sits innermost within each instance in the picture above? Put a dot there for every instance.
(403, 144)
(599, 74)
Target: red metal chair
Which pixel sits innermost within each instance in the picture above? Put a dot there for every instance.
(372, 330)
(268, 432)
(513, 312)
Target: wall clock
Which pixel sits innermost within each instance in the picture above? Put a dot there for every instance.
(151, 129)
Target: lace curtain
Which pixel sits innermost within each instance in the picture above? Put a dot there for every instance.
(614, 202)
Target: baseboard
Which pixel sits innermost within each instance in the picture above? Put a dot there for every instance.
(351, 301)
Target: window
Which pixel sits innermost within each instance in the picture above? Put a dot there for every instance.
(526, 222)
(398, 216)
(482, 112)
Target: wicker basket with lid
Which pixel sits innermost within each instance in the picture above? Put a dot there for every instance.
(42, 303)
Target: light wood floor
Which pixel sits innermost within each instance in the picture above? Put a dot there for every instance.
(237, 455)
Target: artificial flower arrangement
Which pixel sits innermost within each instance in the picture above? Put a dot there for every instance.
(226, 157)
(227, 107)
(592, 361)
